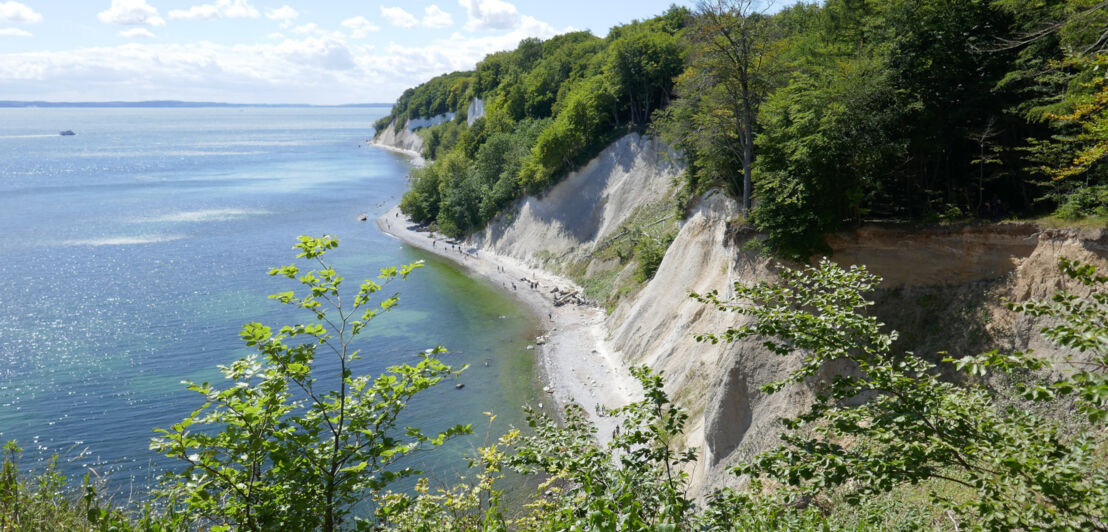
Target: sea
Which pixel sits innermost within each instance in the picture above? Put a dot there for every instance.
(132, 253)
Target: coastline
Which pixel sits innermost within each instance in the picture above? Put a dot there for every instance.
(417, 159)
(575, 361)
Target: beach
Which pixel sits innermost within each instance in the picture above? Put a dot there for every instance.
(576, 362)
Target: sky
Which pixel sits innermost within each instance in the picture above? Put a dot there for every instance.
(320, 52)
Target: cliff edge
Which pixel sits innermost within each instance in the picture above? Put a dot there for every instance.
(943, 286)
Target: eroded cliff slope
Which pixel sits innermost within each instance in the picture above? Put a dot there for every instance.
(942, 290)
(403, 139)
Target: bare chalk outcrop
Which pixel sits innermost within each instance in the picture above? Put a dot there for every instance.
(585, 208)
(404, 140)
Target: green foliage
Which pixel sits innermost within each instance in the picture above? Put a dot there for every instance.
(1076, 323)
(468, 505)
(1059, 68)
(440, 139)
(642, 65)
(284, 447)
(825, 142)
(649, 252)
(45, 502)
(549, 106)
(1084, 202)
(887, 420)
(421, 201)
(891, 109)
(442, 94)
(583, 119)
(635, 482)
(732, 52)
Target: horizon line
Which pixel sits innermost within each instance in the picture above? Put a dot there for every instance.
(172, 103)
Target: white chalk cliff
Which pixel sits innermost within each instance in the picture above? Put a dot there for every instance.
(731, 419)
(476, 110)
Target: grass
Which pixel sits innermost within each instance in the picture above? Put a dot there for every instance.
(44, 501)
(608, 274)
(1088, 222)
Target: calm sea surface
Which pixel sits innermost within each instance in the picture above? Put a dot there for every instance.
(132, 253)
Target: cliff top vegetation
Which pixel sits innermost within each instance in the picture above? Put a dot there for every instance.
(817, 117)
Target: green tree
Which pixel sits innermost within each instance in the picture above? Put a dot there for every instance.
(1062, 52)
(422, 199)
(635, 482)
(732, 49)
(641, 66)
(827, 140)
(285, 447)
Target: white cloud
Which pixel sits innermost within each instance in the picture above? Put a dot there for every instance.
(276, 35)
(14, 32)
(325, 52)
(359, 27)
(16, 12)
(312, 69)
(434, 17)
(398, 17)
(285, 14)
(137, 32)
(308, 28)
(401, 67)
(491, 15)
(131, 12)
(315, 67)
(220, 9)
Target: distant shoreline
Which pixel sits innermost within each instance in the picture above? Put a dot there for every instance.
(169, 104)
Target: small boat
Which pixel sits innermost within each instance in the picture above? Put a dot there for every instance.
(362, 217)
(67, 133)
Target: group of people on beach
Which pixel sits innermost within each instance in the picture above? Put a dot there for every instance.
(533, 284)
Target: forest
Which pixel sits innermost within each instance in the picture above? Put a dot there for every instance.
(816, 117)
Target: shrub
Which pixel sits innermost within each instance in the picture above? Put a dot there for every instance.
(282, 449)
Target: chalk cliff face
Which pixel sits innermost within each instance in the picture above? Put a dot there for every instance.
(476, 110)
(942, 290)
(404, 140)
(588, 206)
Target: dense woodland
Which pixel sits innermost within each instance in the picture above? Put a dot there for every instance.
(816, 117)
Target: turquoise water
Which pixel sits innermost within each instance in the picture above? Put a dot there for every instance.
(134, 251)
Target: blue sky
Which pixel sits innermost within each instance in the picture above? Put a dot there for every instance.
(262, 51)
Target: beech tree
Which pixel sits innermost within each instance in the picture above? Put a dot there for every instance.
(731, 51)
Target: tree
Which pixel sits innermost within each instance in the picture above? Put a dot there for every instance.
(422, 199)
(1062, 54)
(732, 47)
(826, 141)
(641, 66)
(285, 447)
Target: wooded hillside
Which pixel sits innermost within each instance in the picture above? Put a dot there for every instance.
(817, 116)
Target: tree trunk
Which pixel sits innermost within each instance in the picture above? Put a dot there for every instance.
(748, 156)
